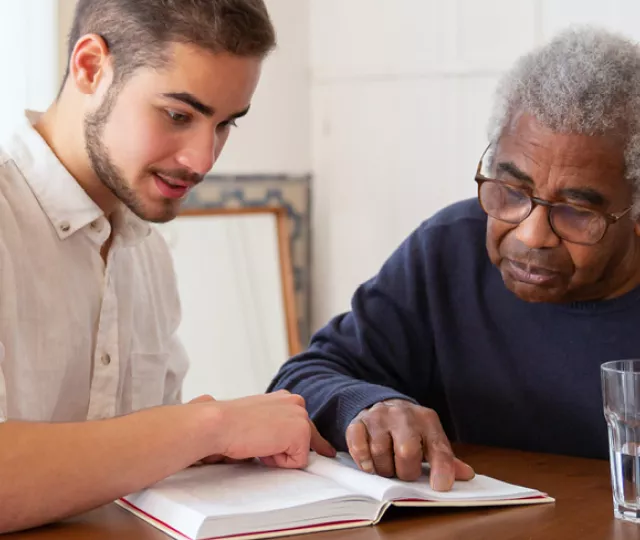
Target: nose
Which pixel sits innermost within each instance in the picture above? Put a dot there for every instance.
(535, 232)
(199, 153)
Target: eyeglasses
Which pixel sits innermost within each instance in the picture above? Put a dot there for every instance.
(502, 201)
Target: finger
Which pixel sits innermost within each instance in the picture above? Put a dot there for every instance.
(408, 453)
(380, 442)
(292, 459)
(297, 399)
(437, 452)
(319, 444)
(269, 461)
(279, 395)
(462, 470)
(358, 445)
(296, 455)
(288, 397)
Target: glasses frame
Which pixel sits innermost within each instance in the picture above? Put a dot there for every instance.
(610, 218)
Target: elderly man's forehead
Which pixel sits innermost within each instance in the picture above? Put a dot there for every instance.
(530, 138)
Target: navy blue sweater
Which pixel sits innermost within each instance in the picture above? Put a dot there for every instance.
(437, 325)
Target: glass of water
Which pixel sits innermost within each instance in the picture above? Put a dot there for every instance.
(621, 399)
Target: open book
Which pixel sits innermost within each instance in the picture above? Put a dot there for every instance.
(249, 500)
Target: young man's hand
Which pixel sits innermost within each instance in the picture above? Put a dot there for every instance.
(273, 427)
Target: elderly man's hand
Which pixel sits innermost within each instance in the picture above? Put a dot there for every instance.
(393, 437)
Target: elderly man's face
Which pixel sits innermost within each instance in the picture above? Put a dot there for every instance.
(535, 263)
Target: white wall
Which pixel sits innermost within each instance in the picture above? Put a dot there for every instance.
(28, 60)
(618, 15)
(401, 92)
(274, 137)
(66, 9)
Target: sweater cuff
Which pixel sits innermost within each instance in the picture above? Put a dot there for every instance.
(352, 401)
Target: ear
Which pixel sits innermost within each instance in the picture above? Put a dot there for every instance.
(90, 63)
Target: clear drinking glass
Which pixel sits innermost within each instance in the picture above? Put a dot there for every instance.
(621, 399)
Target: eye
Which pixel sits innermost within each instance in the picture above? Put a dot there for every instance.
(178, 118)
(513, 195)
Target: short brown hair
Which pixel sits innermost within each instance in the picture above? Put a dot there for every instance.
(137, 32)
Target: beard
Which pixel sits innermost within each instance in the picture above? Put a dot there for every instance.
(109, 173)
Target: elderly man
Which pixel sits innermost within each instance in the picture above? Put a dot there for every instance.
(489, 324)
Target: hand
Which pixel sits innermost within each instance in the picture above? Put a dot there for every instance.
(273, 427)
(214, 458)
(393, 437)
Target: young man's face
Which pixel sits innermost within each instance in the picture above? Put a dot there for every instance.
(154, 139)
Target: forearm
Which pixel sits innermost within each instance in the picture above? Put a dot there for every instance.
(52, 471)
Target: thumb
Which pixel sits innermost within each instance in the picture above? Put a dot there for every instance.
(320, 444)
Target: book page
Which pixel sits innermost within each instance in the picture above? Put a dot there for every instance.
(480, 488)
(244, 488)
(248, 498)
(343, 470)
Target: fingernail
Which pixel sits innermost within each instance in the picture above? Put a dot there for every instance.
(367, 466)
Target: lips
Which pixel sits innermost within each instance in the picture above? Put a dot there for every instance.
(171, 188)
(529, 273)
(173, 182)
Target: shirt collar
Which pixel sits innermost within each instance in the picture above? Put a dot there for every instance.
(65, 203)
(131, 229)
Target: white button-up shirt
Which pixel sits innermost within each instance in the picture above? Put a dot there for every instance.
(79, 339)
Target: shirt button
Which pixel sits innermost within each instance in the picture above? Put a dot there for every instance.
(106, 359)
(64, 226)
(95, 225)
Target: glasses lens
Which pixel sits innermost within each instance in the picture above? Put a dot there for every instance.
(504, 202)
(578, 224)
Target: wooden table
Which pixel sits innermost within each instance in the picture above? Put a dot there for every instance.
(581, 487)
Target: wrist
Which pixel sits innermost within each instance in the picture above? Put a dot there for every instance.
(207, 426)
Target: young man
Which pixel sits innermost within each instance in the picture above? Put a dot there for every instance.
(490, 322)
(88, 302)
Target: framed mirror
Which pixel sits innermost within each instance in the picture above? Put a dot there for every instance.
(235, 280)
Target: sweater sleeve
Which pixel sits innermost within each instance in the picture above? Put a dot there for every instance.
(382, 349)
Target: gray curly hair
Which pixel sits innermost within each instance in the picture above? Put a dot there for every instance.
(587, 81)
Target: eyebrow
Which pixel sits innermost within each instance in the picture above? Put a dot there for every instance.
(585, 195)
(510, 168)
(192, 101)
(195, 103)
